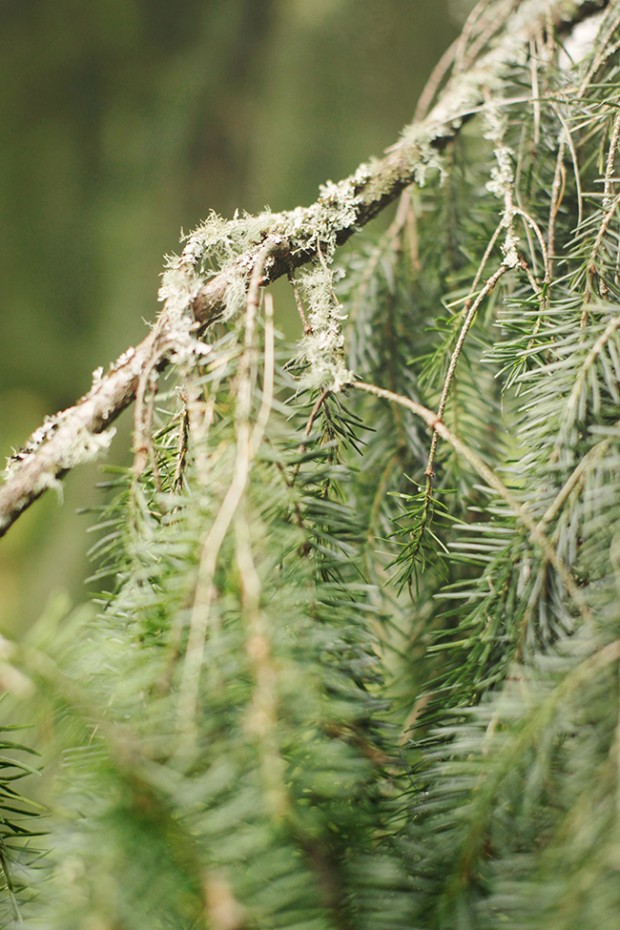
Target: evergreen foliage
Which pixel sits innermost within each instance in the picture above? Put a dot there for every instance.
(347, 671)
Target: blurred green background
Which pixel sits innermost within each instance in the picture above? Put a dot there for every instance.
(123, 121)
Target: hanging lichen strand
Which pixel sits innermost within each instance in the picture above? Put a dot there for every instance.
(356, 660)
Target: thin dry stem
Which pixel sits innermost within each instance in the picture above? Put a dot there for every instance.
(611, 162)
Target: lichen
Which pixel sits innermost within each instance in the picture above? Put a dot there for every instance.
(218, 241)
(82, 445)
(37, 439)
(318, 226)
(79, 445)
(212, 248)
(341, 203)
(322, 347)
(217, 246)
(423, 153)
(502, 182)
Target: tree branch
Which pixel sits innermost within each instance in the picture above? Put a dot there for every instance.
(290, 239)
(436, 424)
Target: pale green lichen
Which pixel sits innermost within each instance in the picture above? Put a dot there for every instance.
(336, 210)
(217, 242)
(229, 247)
(322, 347)
(79, 445)
(502, 181)
(180, 286)
(218, 246)
(423, 154)
(341, 203)
(213, 247)
(83, 446)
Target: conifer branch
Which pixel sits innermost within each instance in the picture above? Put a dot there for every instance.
(493, 481)
(248, 439)
(470, 309)
(193, 298)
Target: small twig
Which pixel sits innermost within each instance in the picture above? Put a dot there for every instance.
(573, 480)
(568, 141)
(268, 376)
(144, 451)
(181, 456)
(504, 177)
(308, 429)
(593, 271)
(315, 411)
(478, 30)
(570, 407)
(611, 161)
(438, 75)
(535, 93)
(557, 195)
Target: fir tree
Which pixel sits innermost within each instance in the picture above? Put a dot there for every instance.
(355, 663)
